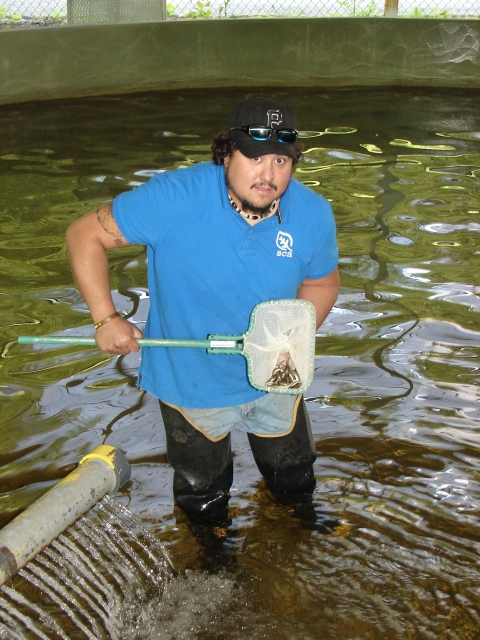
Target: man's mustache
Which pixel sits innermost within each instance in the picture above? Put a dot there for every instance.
(262, 185)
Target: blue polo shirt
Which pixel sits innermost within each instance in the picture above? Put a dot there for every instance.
(208, 268)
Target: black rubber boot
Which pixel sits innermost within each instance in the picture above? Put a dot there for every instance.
(203, 469)
(307, 510)
(286, 462)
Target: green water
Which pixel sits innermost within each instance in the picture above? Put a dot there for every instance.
(394, 404)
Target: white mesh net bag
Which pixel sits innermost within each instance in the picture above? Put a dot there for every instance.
(278, 328)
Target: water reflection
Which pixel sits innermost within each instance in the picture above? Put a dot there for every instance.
(394, 402)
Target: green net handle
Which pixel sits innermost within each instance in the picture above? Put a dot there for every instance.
(214, 344)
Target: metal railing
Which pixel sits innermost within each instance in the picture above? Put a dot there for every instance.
(51, 12)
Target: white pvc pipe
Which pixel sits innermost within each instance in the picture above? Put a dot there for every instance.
(103, 470)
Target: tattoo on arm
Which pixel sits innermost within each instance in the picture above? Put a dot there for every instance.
(106, 219)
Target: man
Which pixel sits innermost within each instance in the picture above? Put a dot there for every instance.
(221, 237)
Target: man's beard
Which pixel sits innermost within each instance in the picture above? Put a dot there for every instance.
(247, 205)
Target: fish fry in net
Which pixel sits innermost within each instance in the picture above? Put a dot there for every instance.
(284, 376)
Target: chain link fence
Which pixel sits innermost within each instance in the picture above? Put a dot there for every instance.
(59, 12)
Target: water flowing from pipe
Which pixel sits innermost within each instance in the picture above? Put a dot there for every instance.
(77, 586)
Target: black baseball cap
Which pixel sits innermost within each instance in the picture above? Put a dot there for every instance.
(268, 113)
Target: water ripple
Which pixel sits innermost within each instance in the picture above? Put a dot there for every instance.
(395, 397)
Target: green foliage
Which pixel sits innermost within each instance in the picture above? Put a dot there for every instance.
(13, 18)
(202, 12)
(352, 8)
(3, 13)
(223, 9)
(290, 13)
(434, 13)
(57, 15)
(170, 10)
(370, 10)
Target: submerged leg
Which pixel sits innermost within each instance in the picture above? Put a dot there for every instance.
(286, 462)
(203, 469)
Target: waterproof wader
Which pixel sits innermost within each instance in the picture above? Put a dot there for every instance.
(204, 469)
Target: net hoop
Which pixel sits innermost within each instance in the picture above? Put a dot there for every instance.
(277, 327)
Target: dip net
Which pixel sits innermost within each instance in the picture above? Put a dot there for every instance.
(281, 334)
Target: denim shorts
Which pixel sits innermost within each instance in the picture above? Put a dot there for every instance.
(270, 416)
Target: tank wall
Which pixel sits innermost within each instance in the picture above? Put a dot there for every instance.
(54, 62)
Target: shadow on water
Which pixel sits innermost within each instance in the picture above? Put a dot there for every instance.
(394, 402)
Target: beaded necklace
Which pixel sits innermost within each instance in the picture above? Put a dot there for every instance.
(252, 216)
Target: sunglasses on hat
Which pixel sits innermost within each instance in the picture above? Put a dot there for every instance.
(261, 133)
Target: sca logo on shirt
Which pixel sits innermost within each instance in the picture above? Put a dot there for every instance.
(284, 243)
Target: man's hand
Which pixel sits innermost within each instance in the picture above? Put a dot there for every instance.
(118, 336)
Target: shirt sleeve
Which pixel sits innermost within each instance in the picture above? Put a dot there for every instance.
(141, 213)
(325, 252)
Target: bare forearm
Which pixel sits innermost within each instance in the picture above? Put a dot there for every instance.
(89, 265)
(88, 240)
(322, 294)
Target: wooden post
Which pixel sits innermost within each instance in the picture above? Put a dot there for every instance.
(69, 12)
(391, 9)
(162, 10)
